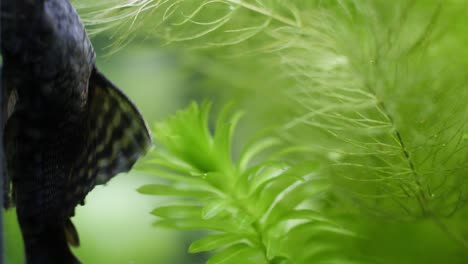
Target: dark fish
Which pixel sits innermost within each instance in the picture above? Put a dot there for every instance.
(68, 128)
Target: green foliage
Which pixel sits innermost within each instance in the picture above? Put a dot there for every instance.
(258, 209)
(376, 90)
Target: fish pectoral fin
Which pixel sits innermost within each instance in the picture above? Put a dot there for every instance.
(116, 136)
(71, 234)
(117, 130)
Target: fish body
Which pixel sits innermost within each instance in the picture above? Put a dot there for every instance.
(68, 127)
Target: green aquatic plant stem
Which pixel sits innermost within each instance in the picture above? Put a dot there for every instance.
(420, 194)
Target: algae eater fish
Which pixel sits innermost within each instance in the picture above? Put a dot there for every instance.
(68, 127)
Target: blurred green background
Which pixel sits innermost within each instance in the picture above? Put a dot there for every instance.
(312, 80)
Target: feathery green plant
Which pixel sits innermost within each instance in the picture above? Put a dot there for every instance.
(375, 89)
(258, 208)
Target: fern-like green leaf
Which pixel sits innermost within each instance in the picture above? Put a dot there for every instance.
(253, 207)
(212, 242)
